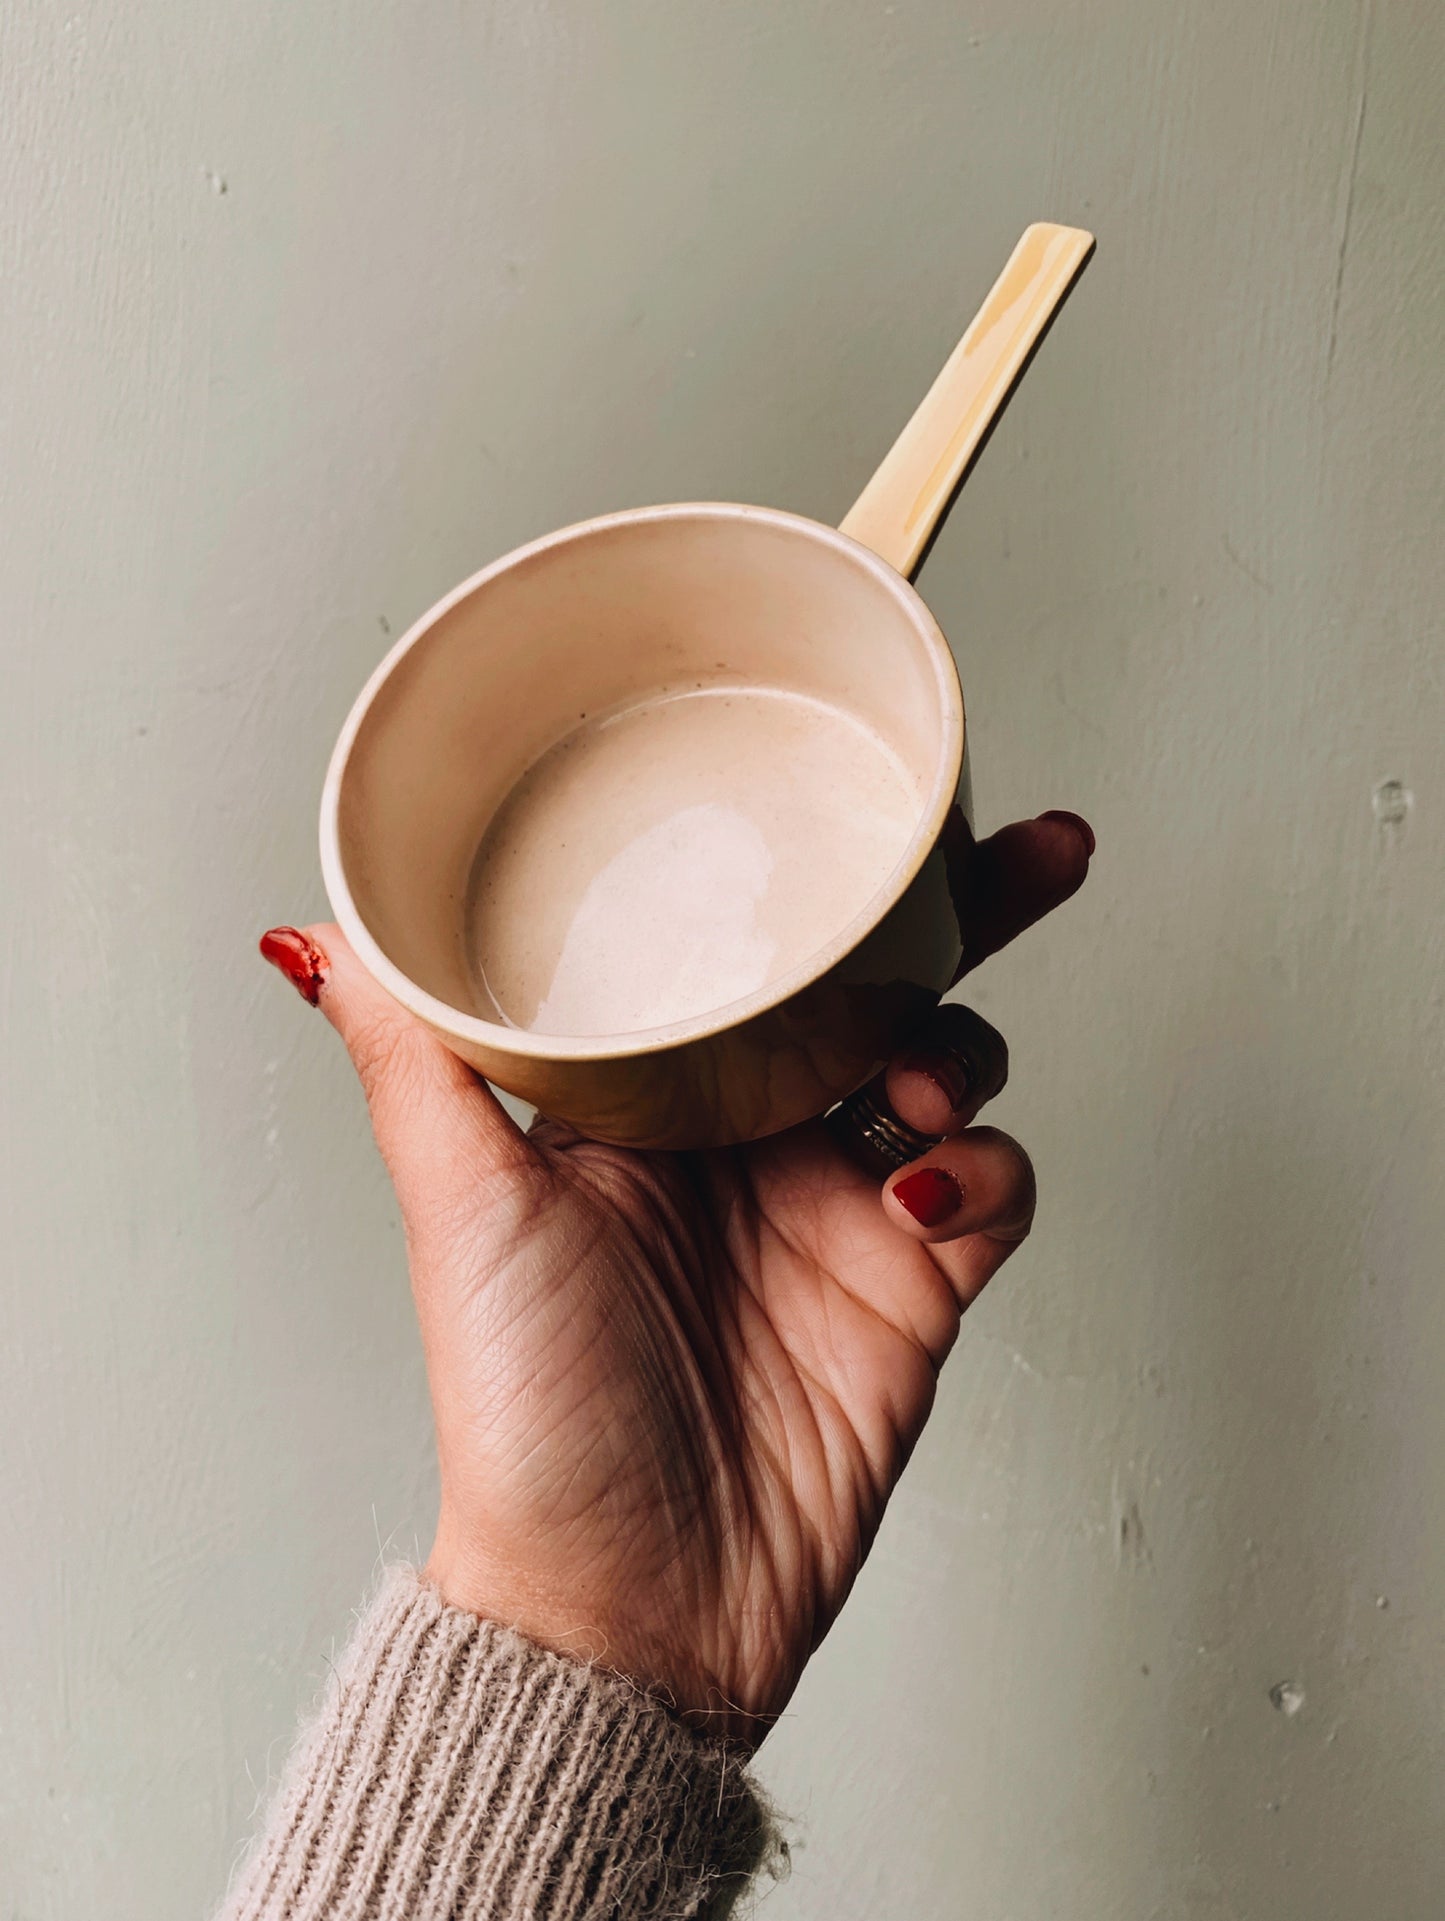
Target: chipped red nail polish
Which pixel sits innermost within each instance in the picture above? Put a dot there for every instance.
(931, 1195)
(299, 959)
(1080, 826)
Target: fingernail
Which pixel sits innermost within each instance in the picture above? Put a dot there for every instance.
(299, 959)
(949, 1073)
(1080, 826)
(931, 1195)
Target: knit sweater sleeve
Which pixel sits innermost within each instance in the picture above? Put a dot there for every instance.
(457, 1772)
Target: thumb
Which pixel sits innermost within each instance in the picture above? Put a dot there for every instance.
(441, 1130)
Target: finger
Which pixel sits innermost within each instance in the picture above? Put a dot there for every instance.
(935, 1088)
(1005, 883)
(438, 1125)
(971, 1199)
(954, 1064)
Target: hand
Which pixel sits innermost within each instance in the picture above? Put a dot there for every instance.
(673, 1392)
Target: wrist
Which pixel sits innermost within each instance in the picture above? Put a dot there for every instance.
(592, 1630)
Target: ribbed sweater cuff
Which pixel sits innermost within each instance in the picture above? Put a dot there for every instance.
(457, 1772)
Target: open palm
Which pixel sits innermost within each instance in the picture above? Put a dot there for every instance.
(674, 1391)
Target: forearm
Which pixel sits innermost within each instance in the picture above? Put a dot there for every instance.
(457, 1772)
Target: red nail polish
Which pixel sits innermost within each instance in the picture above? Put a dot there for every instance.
(300, 960)
(949, 1073)
(1080, 826)
(931, 1195)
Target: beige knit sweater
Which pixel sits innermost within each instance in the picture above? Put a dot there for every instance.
(457, 1772)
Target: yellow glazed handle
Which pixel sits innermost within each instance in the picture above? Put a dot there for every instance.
(903, 505)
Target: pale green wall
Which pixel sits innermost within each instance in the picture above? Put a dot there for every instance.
(308, 310)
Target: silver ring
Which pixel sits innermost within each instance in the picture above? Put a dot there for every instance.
(860, 1121)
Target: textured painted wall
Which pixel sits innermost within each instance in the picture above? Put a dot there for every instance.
(308, 310)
